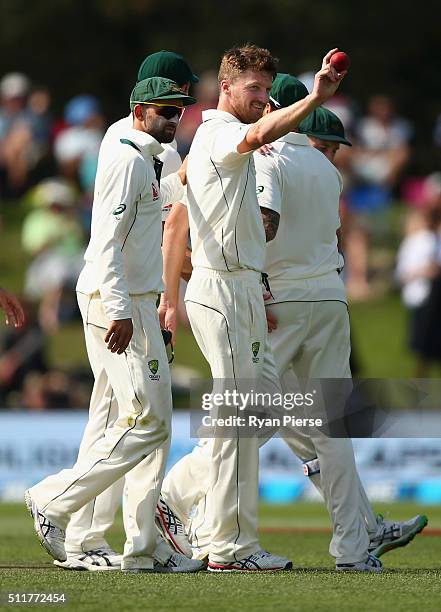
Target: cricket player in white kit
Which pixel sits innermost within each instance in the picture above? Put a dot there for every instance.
(117, 293)
(311, 339)
(224, 296)
(86, 544)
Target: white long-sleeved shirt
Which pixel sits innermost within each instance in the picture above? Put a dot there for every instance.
(170, 157)
(124, 253)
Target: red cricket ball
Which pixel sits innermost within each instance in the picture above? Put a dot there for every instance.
(340, 61)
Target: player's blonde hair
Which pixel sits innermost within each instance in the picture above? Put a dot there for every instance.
(237, 60)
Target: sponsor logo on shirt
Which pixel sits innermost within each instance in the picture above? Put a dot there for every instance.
(119, 210)
(155, 193)
(259, 189)
(153, 367)
(255, 347)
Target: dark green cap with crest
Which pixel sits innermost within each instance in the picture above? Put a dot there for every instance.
(158, 89)
(324, 124)
(286, 90)
(167, 64)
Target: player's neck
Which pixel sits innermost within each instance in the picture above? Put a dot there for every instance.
(225, 106)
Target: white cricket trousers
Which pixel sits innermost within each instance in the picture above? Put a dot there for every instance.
(227, 316)
(312, 340)
(135, 444)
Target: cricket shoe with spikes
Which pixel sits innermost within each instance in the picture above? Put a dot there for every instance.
(172, 528)
(50, 536)
(175, 564)
(261, 561)
(391, 535)
(371, 564)
(99, 560)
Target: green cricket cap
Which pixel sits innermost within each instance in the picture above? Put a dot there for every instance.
(169, 65)
(286, 90)
(324, 124)
(158, 89)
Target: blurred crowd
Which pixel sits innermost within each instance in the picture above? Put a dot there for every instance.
(48, 164)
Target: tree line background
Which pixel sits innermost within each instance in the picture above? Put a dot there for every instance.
(96, 46)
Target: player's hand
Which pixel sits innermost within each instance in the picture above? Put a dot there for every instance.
(119, 335)
(265, 149)
(12, 307)
(162, 309)
(171, 322)
(182, 172)
(270, 320)
(327, 80)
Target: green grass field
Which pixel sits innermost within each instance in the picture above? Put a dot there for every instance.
(410, 582)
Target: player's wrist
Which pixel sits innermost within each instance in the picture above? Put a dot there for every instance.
(314, 99)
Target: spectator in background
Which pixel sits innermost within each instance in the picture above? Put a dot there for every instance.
(41, 123)
(14, 131)
(416, 267)
(207, 94)
(76, 147)
(377, 163)
(53, 237)
(24, 132)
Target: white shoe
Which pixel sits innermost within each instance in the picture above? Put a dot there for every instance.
(372, 564)
(98, 560)
(261, 561)
(179, 564)
(175, 564)
(172, 528)
(51, 537)
(392, 535)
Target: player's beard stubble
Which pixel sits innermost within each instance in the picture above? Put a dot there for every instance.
(163, 130)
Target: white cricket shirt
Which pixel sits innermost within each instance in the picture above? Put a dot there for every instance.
(304, 187)
(170, 157)
(226, 227)
(124, 254)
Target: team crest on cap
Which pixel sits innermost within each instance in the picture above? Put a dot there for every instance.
(153, 367)
(255, 347)
(155, 192)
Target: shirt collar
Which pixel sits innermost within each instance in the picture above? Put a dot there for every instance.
(214, 113)
(296, 139)
(149, 146)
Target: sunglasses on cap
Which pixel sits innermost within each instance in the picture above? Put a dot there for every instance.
(168, 111)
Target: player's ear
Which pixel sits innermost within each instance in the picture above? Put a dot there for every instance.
(268, 109)
(224, 86)
(137, 112)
